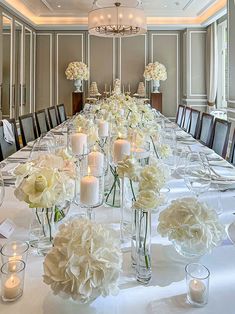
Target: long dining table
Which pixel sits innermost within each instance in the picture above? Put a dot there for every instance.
(166, 293)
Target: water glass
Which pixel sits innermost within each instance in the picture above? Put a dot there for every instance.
(197, 281)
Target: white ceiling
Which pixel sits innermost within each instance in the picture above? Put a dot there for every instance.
(153, 8)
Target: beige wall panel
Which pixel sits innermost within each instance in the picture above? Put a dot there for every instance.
(69, 48)
(165, 50)
(43, 72)
(184, 54)
(133, 55)
(198, 63)
(101, 61)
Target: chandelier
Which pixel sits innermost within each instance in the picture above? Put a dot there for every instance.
(117, 21)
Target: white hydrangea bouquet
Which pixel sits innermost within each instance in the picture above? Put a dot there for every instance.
(85, 261)
(155, 71)
(193, 228)
(77, 71)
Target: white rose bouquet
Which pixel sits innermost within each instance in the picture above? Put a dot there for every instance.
(191, 225)
(45, 182)
(77, 71)
(155, 71)
(85, 261)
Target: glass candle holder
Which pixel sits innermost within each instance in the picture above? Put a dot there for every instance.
(12, 279)
(197, 280)
(91, 191)
(77, 142)
(13, 251)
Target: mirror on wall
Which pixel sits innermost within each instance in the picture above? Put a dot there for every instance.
(18, 68)
(28, 72)
(7, 88)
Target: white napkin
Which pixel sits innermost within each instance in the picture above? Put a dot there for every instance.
(8, 132)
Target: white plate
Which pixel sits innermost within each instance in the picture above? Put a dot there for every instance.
(231, 232)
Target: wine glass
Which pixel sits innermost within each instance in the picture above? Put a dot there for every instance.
(197, 175)
(2, 189)
(43, 146)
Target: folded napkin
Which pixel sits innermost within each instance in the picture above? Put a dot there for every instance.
(8, 132)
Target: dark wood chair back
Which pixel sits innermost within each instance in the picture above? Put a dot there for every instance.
(61, 113)
(220, 136)
(206, 129)
(232, 151)
(27, 128)
(42, 122)
(186, 119)
(52, 115)
(180, 115)
(194, 122)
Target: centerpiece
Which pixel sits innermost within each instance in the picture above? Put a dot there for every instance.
(155, 72)
(89, 259)
(77, 72)
(193, 228)
(46, 184)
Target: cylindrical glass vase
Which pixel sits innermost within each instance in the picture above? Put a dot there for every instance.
(143, 246)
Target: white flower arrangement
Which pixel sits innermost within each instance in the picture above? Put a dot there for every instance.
(45, 182)
(192, 225)
(155, 71)
(77, 71)
(85, 261)
(129, 168)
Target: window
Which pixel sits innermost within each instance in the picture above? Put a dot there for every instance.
(223, 65)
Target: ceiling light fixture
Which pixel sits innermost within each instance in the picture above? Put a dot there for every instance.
(117, 21)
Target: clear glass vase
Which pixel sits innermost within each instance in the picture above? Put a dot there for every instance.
(143, 246)
(43, 229)
(112, 193)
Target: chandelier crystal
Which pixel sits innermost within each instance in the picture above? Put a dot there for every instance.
(117, 21)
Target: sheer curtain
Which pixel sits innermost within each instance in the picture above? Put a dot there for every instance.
(211, 65)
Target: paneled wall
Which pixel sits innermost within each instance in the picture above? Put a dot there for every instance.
(107, 59)
(194, 68)
(231, 49)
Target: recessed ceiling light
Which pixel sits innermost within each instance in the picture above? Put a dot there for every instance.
(58, 6)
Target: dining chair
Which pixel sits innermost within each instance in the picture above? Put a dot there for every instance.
(42, 122)
(232, 151)
(220, 136)
(180, 115)
(186, 119)
(206, 129)
(7, 149)
(194, 122)
(52, 115)
(27, 128)
(61, 113)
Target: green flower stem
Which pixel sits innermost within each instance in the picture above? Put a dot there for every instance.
(154, 147)
(49, 224)
(132, 190)
(146, 256)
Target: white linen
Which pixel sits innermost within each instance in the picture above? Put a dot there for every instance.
(166, 292)
(8, 132)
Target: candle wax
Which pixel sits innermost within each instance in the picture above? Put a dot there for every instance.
(197, 291)
(12, 287)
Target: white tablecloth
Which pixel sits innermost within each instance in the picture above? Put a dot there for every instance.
(166, 291)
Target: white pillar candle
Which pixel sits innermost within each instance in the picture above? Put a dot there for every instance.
(123, 89)
(120, 149)
(89, 190)
(96, 162)
(110, 90)
(103, 128)
(79, 143)
(197, 291)
(129, 87)
(12, 287)
(105, 88)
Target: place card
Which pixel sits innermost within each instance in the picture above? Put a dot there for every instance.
(7, 227)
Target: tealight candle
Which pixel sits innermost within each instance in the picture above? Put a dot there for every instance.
(89, 190)
(103, 128)
(120, 149)
(12, 287)
(96, 162)
(197, 291)
(79, 143)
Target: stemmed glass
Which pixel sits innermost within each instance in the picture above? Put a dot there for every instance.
(197, 175)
